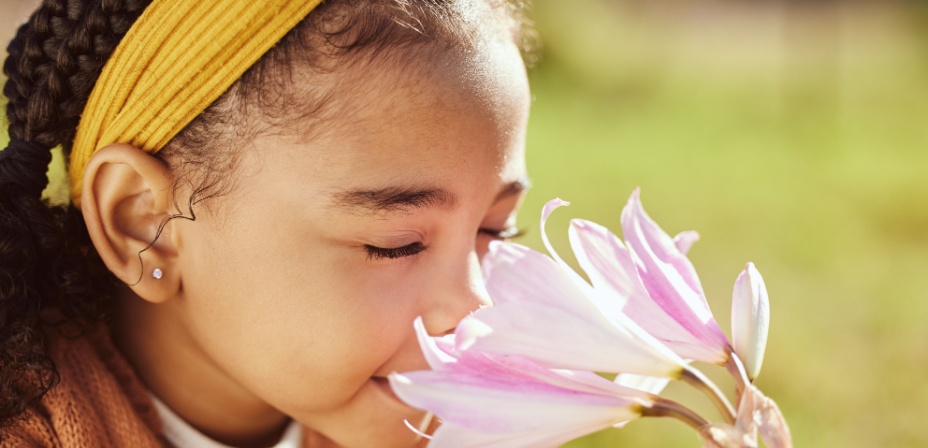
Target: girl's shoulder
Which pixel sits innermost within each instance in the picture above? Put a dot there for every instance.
(98, 402)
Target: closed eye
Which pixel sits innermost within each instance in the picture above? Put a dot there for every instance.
(377, 253)
(409, 250)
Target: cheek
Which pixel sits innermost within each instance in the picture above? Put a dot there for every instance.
(283, 316)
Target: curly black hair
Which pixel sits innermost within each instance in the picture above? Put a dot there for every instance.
(46, 258)
(50, 273)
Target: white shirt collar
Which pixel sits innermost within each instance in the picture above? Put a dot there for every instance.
(182, 435)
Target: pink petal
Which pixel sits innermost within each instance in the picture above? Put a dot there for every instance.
(515, 273)
(685, 240)
(504, 401)
(452, 436)
(606, 261)
(538, 296)
(670, 278)
(559, 338)
(612, 270)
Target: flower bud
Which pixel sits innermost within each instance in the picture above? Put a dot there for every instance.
(750, 319)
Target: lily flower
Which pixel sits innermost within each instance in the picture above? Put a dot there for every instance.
(650, 276)
(750, 319)
(545, 311)
(487, 400)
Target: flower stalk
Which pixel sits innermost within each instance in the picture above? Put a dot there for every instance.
(663, 407)
(736, 369)
(700, 381)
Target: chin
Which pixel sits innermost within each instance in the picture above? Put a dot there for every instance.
(380, 435)
(376, 420)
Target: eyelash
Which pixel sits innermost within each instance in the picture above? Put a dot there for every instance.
(409, 250)
(377, 253)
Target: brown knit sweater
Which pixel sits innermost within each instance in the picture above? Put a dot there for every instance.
(99, 402)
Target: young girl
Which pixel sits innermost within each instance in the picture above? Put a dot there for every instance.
(265, 195)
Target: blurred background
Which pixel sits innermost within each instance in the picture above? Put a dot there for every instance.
(788, 133)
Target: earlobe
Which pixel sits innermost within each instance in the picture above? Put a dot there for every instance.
(126, 197)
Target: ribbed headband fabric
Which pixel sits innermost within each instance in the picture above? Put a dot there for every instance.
(176, 59)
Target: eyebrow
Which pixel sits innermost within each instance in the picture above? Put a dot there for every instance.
(390, 199)
(398, 198)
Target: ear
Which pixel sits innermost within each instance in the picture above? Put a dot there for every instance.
(127, 195)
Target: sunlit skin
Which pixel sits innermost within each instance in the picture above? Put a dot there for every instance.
(277, 303)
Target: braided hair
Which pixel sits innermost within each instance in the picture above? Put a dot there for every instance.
(53, 63)
(47, 261)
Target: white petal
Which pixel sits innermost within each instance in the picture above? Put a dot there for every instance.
(549, 208)
(649, 384)
(750, 319)
(436, 357)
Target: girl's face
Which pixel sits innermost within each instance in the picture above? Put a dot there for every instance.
(299, 293)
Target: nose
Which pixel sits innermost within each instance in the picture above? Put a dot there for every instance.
(454, 294)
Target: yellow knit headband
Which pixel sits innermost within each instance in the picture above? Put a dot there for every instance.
(176, 59)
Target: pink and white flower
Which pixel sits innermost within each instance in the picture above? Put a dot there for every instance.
(521, 373)
(650, 275)
(549, 314)
(487, 400)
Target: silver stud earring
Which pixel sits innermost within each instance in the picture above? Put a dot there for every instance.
(157, 274)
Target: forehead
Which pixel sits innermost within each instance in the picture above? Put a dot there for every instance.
(420, 118)
(424, 118)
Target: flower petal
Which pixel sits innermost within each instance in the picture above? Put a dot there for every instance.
(612, 271)
(750, 319)
(765, 414)
(515, 273)
(558, 338)
(431, 347)
(722, 435)
(546, 211)
(549, 208)
(449, 435)
(503, 401)
(670, 278)
(606, 261)
(650, 384)
(684, 240)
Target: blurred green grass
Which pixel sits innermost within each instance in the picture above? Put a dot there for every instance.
(793, 138)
